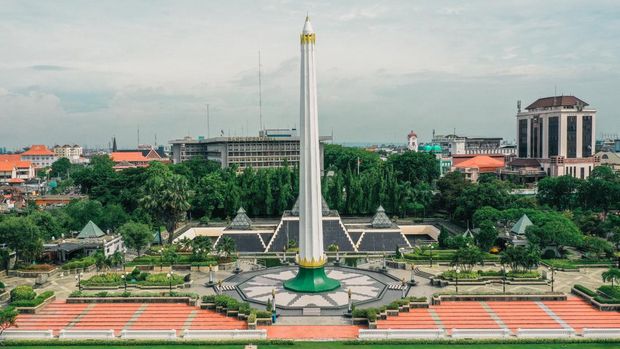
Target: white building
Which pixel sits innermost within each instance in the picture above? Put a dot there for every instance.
(412, 141)
(558, 132)
(39, 155)
(71, 152)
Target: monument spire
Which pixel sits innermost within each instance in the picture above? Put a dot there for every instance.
(311, 276)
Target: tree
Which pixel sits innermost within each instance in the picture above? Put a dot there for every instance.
(49, 225)
(100, 260)
(136, 235)
(558, 192)
(226, 246)
(597, 247)
(170, 255)
(494, 194)
(553, 229)
(612, 274)
(202, 242)
(116, 259)
(8, 316)
(467, 257)
(415, 167)
(520, 258)
(60, 168)
(485, 238)
(23, 236)
(450, 187)
(166, 197)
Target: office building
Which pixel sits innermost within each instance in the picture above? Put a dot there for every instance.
(559, 133)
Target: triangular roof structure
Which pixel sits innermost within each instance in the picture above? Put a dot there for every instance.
(521, 225)
(381, 220)
(90, 230)
(241, 221)
(468, 234)
(324, 207)
(481, 162)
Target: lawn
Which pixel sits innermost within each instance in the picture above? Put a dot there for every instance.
(350, 345)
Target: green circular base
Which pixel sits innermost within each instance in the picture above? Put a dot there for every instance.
(311, 280)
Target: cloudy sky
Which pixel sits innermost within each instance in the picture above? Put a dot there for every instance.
(83, 71)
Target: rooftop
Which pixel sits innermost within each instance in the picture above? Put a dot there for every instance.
(481, 161)
(556, 101)
(135, 156)
(38, 149)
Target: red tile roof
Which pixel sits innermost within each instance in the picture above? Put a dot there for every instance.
(15, 180)
(557, 101)
(10, 157)
(128, 156)
(6, 166)
(38, 149)
(481, 162)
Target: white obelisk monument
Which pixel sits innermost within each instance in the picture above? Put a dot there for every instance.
(311, 276)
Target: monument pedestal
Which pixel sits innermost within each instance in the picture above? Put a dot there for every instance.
(311, 280)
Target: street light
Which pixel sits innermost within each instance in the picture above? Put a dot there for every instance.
(457, 272)
(552, 278)
(503, 279)
(211, 275)
(349, 293)
(169, 276)
(124, 277)
(78, 278)
(412, 281)
(404, 287)
(431, 255)
(161, 259)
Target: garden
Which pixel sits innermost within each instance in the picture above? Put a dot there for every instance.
(136, 277)
(25, 296)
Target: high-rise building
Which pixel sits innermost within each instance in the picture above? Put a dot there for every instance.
(274, 148)
(559, 133)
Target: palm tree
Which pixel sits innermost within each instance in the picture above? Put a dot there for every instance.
(226, 246)
(166, 197)
(612, 275)
(100, 260)
(185, 244)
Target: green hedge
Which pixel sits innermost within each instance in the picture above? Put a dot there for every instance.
(183, 259)
(33, 302)
(229, 303)
(611, 292)
(81, 263)
(82, 294)
(585, 290)
(22, 293)
(142, 279)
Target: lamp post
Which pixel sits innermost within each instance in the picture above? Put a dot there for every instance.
(404, 288)
(350, 308)
(284, 255)
(124, 277)
(412, 281)
(337, 255)
(552, 278)
(169, 276)
(237, 268)
(430, 261)
(503, 279)
(384, 267)
(161, 259)
(273, 306)
(78, 278)
(457, 271)
(211, 275)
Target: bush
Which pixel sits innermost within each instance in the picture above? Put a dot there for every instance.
(22, 293)
(263, 314)
(81, 263)
(371, 315)
(585, 290)
(78, 294)
(610, 291)
(208, 299)
(2, 286)
(252, 318)
(37, 267)
(33, 302)
(244, 308)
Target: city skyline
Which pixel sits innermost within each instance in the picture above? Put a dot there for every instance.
(83, 75)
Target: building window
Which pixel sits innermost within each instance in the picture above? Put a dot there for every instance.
(523, 138)
(582, 174)
(586, 136)
(554, 136)
(571, 137)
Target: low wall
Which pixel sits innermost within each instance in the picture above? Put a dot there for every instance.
(402, 334)
(165, 269)
(34, 310)
(26, 334)
(86, 334)
(474, 333)
(601, 333)
(79, 300)
(33, 274)
(225, 334)
(148, 334)
(436, 300)
(594, 302)
(544, 333)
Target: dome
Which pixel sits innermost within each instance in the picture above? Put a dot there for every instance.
(437, 148)
(427, 148)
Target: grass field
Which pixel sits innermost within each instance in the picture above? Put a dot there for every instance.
(341, 345)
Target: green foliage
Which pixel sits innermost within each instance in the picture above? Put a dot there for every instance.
(612, 292)
(612, 274)
(596, 247)
(80, 263)
(107, 294)
(22, 293)
(558, 192)
(586, 290)
(520, 258)
(263, 314)
(227, 246)
(143, 279)
(485, 238)
(8, 315)
(252, 318)
(136, 235)
(23, 236)
(37, 300)
(467, 258)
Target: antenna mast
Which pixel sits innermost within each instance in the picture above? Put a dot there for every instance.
(260, 96)
(208, 126)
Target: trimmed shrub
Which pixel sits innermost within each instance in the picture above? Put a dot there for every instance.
(81, 263)
(585, 290)
(263, 314)
(33, 302)
(252, 318)
(22, 293)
